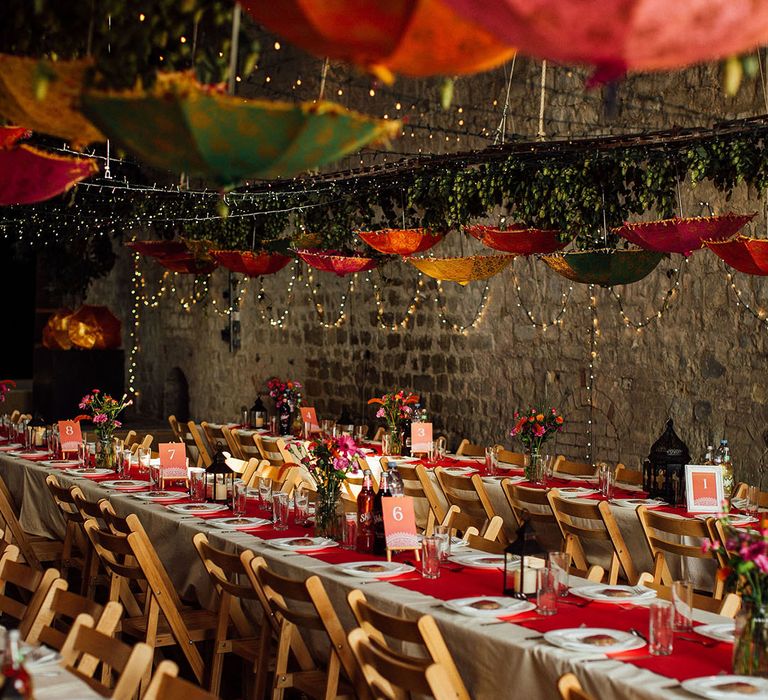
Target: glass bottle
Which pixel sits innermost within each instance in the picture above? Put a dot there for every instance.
(365, 514)
(379, 538)
(727, 467)
(17, 683)
(396, 486)
(709, 457)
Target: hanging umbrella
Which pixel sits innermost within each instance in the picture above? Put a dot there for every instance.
(518, 240)
(604, 267)
(56, 330)
(94, 328)
(183, 126)
(29, 175)
(246, 262)
(401, 241)
(44, 96)
(462, 270)
(748, 255)
(338, 263)
(9, 135)
(683, 235)
(412, 37)
(184, 256)
(620, 35)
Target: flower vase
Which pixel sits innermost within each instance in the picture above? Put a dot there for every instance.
(286, 421)
(533, 465)
(392, 443)
(105, 452)
(750, 650)
(327, 506)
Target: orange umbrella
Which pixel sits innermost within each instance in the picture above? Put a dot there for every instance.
(332, 261)
(94, 328)
(518, 240)
(56, 330)
(412, 37)
(246, 262)
(401, 241)
(747, 255)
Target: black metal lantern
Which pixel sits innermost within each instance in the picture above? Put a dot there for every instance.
(664, 470)
(258, 414)
(219, 479)
(514, 559)
(37, 428)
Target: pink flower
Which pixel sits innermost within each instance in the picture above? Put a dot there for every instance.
(539, 430)
(95, 391)
(117, 423)
(761, 562)
(380, 413)
(100, 418)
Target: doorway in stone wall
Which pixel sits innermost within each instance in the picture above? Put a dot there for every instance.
(176, 395)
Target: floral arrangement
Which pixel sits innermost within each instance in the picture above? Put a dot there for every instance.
(103, 412)
(534, 427)
(395, 407)
(5, 386)
(286, 395)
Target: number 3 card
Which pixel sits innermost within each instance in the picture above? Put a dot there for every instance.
(399, 522)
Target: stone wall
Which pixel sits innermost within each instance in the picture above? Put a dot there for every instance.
(703, 362)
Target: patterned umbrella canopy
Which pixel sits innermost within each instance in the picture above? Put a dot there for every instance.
(620, 35)
(683, 235)
(94, 328)
(29, 175)
(748, 255)
(183, 256)
(9, 135)
(401, 241)
(518, 239)
(55, 109)
(412, 37)
(56, 330)
(339, 264)
(604, 267)
(183, 126)
(246, 262)
(462, 270)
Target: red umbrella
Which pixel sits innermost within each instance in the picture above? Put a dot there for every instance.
(518, 240)
(186, 257)
(683, 235)
(401, 241)
(246, 262)
(332, 261)
(621, 35)
(94, 328)
(9, 135)
(748, 255)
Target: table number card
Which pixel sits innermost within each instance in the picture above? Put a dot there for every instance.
(704, 488)
(399, 524)
(309, 415)
(173, 461)
(70, 435)
(421, 437)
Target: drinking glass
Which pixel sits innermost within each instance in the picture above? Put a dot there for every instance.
(491, 461)
(82, 454)
(753, 501)
(546, 591)
(240, 499)
(265, 491)
(326, 425)
(607, 476)
(682, 601)
(360, 432)
(560, 563)
(386, 444)
(92, 454)
(660, 632)
(349, 533)
(307, 429)
(280, 510)
(431, 452)
(273, 425)
(245, 419)
(145, 458)
(441, 448)
(300, 506)
(154, 477)
(443, 535)
(430, 556)
(197, 484)
(119, 462)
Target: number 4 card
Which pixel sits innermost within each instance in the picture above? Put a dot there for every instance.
(400, 522)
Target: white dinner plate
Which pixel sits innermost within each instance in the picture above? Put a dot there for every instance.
(723, 632)
(734, 518)
(460, 471)
(238, 523)
(595, 639)
(575, 491)
(635, 502)
(614, 594)
(26, 455)
(489, 606)
(303, 544)
(727, 687)
(10, 448)
(375, 569)
(161, 496)
(467, 458)
(479, 560)
(126, 485)
(60, 463)
(89, 472)
(196, 508)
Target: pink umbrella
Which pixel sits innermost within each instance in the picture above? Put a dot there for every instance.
(748, 255)
(332, 261)
(518, 240)
(246, 262)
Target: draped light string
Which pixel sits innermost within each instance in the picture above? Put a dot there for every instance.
(558, 318)
(760, 314)
(234, 306)
(341, 316)
(479, 314)
(133, 334)
(279, 320)
(594, 333)
(667, 299)
(418, 296)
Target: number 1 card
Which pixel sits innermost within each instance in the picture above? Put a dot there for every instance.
(704, 491)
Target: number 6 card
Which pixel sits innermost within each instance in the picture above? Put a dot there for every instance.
(399, 522)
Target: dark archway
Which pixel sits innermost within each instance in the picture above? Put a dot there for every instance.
(176, 395)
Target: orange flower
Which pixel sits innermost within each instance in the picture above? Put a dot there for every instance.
(559, 420)
(540, 418)
(370, 401)
(724, 572)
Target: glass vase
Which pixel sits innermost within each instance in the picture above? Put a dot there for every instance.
(533, 465)
(286, 421)
(105, 452)
(750, 650)
(327, 506)
(392, 443)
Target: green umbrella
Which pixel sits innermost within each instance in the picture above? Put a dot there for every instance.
(604, 267)
(186, 127)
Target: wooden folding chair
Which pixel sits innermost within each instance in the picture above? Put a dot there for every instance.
(393, 677)
(272, 449)
(568, 467)
(570, 688)
(625, 475)
(129, 440)
(391, 633)
(131, 664)
(379, 434)
(94, 571)
(234, 633)
(667, 534)
(507, 457)
(591, 522)
(242, 444)
(74, 554)
(468, 449)
(353, 484)
(417, 485)
(181, 434)
(145, 441)
(534, 505)
(469, 495)
(166, 685)
(728, 606)
(203, 451)
(458, 522)
(483, 544)
(164, 620)
(297, 607)
(214, 434)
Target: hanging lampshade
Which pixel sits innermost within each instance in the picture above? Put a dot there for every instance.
(339, 264)
(462, 270)
(518, 239)
(246, 262)
(401, 241)
(604, 267)
(748, 255)
(186, 127)
(621, 35)
(411, 37)
(683, 235)
(94, 328)
(44, 96)
(184, 256)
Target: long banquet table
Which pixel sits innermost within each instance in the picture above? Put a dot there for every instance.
(502, 654)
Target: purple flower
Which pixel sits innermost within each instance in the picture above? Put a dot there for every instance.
(100, 418)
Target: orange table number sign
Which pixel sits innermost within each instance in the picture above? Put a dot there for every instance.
(173, 461)
(400, 524)
(70, 435)
(421, 437)
(704, 488)
(309, 415)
